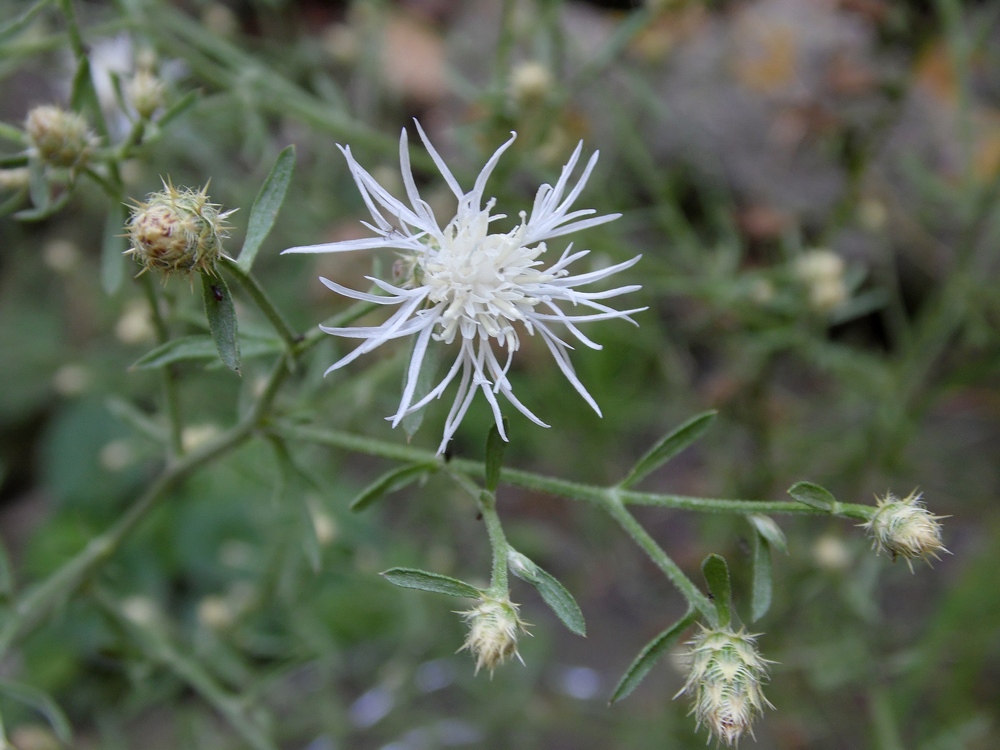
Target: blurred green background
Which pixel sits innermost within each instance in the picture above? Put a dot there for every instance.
(735, 138)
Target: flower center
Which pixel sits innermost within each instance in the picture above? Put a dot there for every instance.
(484, 282)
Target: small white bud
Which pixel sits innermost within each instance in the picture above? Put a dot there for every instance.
(146, 93)
(905, 528)
(135, 326)
(822, 272)
(493, 630)
(725, 680)
(116, 455)
(71, 380)
(197, 435)
(140, 609)
(530, 82)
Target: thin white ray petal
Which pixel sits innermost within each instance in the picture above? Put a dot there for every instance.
(413, 371)
(439, 163)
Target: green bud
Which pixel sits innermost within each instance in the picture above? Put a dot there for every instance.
(60, 138)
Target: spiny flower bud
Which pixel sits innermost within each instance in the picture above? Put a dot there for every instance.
(60, 138)
(145, 91)
(493, 630)
(905, 527)
(177, 230)
(725, 682)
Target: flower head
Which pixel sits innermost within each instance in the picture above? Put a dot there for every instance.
(725, 682)
(466, 286)
(177, 230)
(493, 630)
(905, 528)
(60, 138)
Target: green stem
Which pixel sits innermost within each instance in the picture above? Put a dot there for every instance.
(259, 296)
(487, 502)
(171, 398)
(617, 510)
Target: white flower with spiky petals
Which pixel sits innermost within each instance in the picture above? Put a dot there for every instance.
(463, 282)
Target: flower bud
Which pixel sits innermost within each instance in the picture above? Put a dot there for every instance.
(822, 272)
(177, 230)
(530, 82)
(905, 527)
(145, 91)
(60, 138)
(493, 631)
(725, 682)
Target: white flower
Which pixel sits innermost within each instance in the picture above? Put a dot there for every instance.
(462, 282)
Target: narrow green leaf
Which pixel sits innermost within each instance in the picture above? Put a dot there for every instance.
(388, 483)
(762, 578)
(113, 249)
(83, 96)
(767, 528)
(495, 447)
(649, 655)
(131, 416)
(38, 185)
(222, 323)
(11, 204)
(669, 446)
(266, 206)
(37, 214)
(813, 495)
(6, 572)
(717, 577)
(15, 25)
(202, 348)
(178, 108)
(41, 702)
(551, 590)
(411, 578)
(10, 133)
(425, 381)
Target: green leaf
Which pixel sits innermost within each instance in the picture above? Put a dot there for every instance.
(669, 446)
(767, 528)
(11, 204)
(649, 655)
(38, 185)
(222, 323)
(553, 592)
(38, 214)
(717, 577)
(10, 133)
(425, 381)
(495, 447)
(83, 96)
(42, 703)
(813, 495)
(178, 108)
(201, 348)
(762, 578)
(113, 249)
(411, 578)
(6, 572)
(131, 416)
(390, 482)
(15, 25)
(266, 206)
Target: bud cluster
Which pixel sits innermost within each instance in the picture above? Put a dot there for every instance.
(58, 137)
(493, 630)
(725, 682)
(822, 272)
(905, 528)
(177, 230)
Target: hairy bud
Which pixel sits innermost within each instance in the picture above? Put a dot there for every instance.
(905, 528)
(145, 91)
(725, 682)
(60, 138)
(493, 630)
(177, 230)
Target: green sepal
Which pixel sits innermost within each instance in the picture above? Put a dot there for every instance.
(649, 655)
(762, 586)
(202, 348)
(221, 314)
(113, 250)
(669, 446)
(411, 578)
(266, 206)
(390, 482)
(716, 574)
(495, 447)
(41, 702)
(813, 495)
(552, 591)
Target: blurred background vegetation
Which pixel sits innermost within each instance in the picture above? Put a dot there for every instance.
(737, 138)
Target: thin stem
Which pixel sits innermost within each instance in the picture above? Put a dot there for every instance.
(487, 502)
(618, 511)
(171, 398)
(259, 296)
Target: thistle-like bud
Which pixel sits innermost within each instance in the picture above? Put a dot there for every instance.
(822, 271)
(530, 82)
(493, 630)
(60, 138)
(177, 230)
(725, 682)
(905, 527)
(146, 93)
